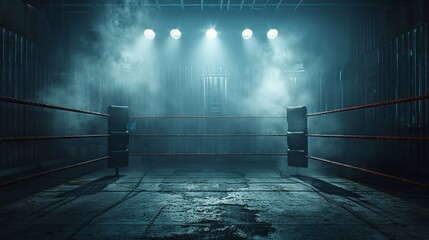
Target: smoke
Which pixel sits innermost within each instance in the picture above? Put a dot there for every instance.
(103, 66)
(270, 96)
(272, 93)
(111, 62)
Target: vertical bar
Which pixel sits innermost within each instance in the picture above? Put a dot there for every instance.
(6, 80)
(12, 116)
(2, 82)
(404, 82)
(7, 65)
(415, 84)
(3, 60)
(21, 91)
(424, 39)
(396, 89)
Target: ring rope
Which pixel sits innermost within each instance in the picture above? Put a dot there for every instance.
(419, 184)
(379, 104)
(205, 154)
(206, 135)
(409, 138)
(205, 117)
(38, 138)
(8, 183)
(44, 105)
(281, 135)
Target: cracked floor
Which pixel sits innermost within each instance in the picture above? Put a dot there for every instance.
(156, 201)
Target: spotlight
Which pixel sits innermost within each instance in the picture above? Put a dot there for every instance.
(211, 33)
(149, 34)
(175, 33)
(247, 33)
(272, 33)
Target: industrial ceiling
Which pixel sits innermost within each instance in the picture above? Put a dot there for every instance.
(220, 5)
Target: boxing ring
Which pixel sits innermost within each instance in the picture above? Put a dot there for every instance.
(297, 138)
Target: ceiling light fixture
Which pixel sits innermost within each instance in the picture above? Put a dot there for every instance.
(175, 33)
(272, 33)
(149, 34)
(247, 33)
(211, 33)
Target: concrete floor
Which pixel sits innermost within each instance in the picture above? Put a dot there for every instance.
(212, 202)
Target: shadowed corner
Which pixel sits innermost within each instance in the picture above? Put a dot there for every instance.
(91, 187)
(326, 187)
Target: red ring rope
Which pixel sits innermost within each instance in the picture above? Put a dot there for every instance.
(204, 117)
(30, 103)
(38, 138)
(423, 185)
(206, 135)
(206, 154)
(371, 137)
(379, 104)
(7, 183)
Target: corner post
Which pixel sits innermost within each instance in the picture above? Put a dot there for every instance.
(297, 137)
(118, 137)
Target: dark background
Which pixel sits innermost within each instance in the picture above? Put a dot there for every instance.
(90, 54)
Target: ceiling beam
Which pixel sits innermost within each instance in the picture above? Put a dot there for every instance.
(157, 5)
(221, 5)
(253, 4)
(33, 3)
(241, 5)
(216, 5)
(227, 6)
(278, 5)
(202, 5)
(183, 4)
(266, 4)
(297, 6)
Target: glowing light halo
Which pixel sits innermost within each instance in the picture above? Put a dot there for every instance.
(175, 33)
(149, 34)
(211, 33)
(247, 33)
(272, 33)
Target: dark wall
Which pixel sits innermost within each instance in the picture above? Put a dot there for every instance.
(389, 60)
(401, 16)
(25, 20)
(28, 70)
